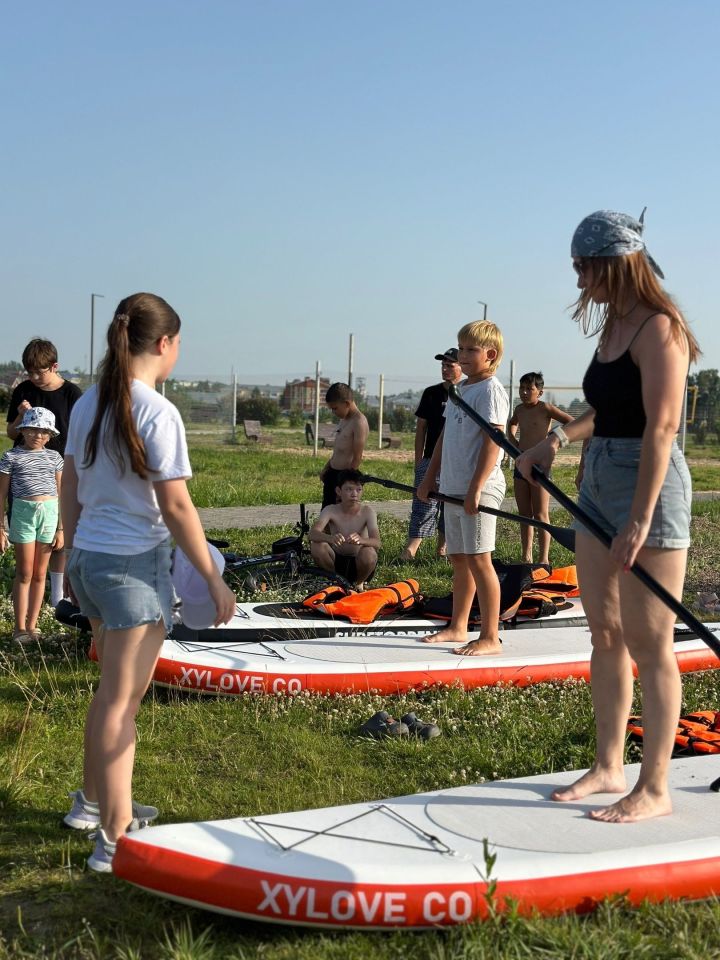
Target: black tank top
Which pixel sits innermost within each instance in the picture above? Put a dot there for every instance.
(614, 391)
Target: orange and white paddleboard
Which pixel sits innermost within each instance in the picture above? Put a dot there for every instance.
(425, 860)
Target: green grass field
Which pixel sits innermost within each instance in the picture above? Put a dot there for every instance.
(203, 758)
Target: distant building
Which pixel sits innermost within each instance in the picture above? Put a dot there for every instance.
(300, 394)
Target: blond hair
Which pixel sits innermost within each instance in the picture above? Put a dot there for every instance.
(625, 279)
(483, 333)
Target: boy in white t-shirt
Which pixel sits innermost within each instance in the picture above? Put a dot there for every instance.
(469, 466)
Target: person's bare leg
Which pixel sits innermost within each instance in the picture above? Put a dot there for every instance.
(365, 562)
(89, 785)
(610, 670)
(323, 555)
(24, 562)
(128, 663)
(648, 630)
(36, 593)
(524, 504)
(541, 511)
(487, 587)
(411, 548)
(463, 595)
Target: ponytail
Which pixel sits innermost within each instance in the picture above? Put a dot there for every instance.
(139, 321)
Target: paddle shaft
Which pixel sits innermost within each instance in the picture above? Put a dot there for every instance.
(564, 535)
(498, 437)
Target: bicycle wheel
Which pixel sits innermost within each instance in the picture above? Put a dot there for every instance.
(286, 578)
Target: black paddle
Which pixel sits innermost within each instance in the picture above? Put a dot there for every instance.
(498, 437)
(564, 535)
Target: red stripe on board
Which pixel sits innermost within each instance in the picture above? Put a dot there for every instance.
(305, 901)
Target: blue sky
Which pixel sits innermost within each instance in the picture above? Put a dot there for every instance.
(287, 173)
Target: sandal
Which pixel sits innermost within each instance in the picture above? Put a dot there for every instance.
(426, 731)
(382, 725)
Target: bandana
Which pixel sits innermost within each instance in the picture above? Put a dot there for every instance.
(608, 234)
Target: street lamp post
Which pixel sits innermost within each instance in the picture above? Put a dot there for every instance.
(92, 332)
(484, 310)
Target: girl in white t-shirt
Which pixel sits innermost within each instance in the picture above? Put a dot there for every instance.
(124, 494)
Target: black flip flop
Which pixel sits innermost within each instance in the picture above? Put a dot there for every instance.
(426, 731)
(382, 725)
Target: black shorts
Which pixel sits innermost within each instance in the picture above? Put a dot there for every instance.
(347, 568)
(330, 482)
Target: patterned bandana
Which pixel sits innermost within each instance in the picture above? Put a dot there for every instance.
(608, 234)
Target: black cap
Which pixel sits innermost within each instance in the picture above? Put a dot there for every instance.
(450, 355)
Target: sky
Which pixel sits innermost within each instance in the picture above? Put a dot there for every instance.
(290, 172)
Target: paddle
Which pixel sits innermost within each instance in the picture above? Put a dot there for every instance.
(564, 535)
(681, 612)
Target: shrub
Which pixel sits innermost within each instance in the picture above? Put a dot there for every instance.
(258, 408)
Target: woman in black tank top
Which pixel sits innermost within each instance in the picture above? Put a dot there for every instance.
(637, 487)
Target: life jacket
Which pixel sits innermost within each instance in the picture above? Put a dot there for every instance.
(697, 733)
(366, 607)
(536, 603)
(562, 579)
(328, 595)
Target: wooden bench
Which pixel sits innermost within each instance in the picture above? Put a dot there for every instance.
(388, 438)
(253, 431)
(326, 434)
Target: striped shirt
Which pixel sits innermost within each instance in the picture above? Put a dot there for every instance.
(31, 472)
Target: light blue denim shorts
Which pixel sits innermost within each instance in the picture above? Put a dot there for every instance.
(475, 533)
(124, 591)
(34, 521)
(608, 488)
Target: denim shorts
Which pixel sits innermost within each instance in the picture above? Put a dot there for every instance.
(475, 533)
(608, 488)
(124, 591)
(34, 521)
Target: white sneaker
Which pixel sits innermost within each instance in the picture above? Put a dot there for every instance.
(85, 814)
(100, 860)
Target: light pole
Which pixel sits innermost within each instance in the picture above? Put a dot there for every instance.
(92, 332)
(484, 310)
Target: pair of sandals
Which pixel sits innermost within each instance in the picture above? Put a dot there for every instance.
(27, 636)
(381, 725)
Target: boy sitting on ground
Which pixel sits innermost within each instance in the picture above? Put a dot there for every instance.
(345, 538)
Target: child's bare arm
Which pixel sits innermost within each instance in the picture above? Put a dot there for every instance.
(557, 414)
(372, 534)
(4, 489)
(359, 439)
(59, 539)
(485, 466)
(514, 423)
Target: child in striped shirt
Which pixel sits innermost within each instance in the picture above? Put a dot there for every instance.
(32, 474)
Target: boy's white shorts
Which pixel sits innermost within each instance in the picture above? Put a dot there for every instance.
(475, 533)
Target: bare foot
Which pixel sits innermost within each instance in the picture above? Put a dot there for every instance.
(637, 805)
(479, 648)
(407, 556)
(594, 781)
(448, 635)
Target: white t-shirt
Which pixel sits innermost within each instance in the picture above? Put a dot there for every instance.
(463, 438)
(120, 512)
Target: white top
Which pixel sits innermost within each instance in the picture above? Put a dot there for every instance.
(32, 472)
(120, 512)
(463, 438)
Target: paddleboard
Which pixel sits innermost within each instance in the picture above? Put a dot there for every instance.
(383, 660)
(422, 860)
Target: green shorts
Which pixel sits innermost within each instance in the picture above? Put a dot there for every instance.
(34, 521)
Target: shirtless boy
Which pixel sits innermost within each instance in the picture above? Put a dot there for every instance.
(350, 439)
(532, 418)
(345, 537)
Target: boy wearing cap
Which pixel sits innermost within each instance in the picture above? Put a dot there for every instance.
(32, 474)
(430, 419)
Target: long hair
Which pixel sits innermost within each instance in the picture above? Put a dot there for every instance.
(628, 279)
(140, 321)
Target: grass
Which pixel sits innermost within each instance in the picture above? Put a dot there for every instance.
(201, 758)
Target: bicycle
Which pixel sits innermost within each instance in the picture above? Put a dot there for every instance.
(289, 567)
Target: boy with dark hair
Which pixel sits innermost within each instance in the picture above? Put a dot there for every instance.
(532, 418)
(44, 387)
(350, 439)
(345, 537)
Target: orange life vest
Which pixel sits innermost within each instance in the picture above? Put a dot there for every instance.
(696, 733)
(366, 607)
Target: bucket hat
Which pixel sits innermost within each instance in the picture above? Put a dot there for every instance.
(39, 418)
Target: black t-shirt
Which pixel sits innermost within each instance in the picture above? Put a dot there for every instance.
(431, 408)
(60, 402)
